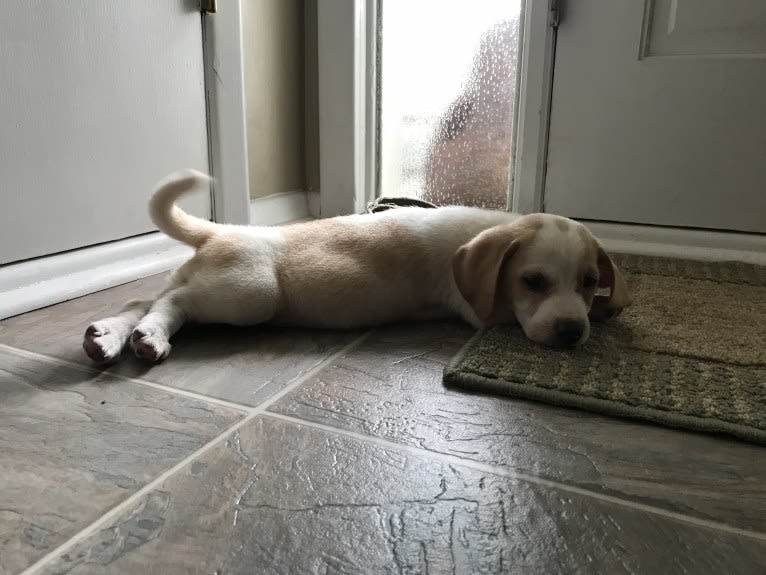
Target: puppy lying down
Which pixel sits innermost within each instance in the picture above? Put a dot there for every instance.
(486, 267)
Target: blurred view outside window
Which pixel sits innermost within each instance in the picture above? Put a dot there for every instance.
(448, 91)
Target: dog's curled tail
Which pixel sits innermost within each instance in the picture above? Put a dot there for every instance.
(173, 220)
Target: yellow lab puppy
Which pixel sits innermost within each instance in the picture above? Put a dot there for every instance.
(483, 266)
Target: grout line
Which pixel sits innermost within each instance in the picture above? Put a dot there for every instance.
(94, 370)
(510, 473)
(261, 409)
(90, 369)
(119, 508)
(185, 392)
(264, 405)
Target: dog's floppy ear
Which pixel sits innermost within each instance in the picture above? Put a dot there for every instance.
(476, 267)
(609, 305)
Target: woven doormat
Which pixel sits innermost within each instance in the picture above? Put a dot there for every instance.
(690, 352)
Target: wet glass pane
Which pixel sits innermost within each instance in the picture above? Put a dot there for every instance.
(447, 97)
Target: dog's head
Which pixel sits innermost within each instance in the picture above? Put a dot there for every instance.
(546, 270)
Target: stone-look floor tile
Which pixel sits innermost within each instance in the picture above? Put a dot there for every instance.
(391, 387)
(279, 498)
(243, 365)
(73, 444)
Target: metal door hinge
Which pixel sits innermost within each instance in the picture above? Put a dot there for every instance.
(208, 6)
(554, 17)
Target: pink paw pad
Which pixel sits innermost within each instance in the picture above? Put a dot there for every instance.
(150, 347)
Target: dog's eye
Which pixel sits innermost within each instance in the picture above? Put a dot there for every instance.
(535, 282)
(589, 282)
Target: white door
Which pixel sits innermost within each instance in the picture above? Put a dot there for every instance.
(98, 100)
(658, 113)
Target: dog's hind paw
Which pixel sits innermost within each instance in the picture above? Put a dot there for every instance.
(149, 346)
(101, 344)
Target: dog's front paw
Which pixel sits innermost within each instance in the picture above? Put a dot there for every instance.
(102, 344)
(148, 345)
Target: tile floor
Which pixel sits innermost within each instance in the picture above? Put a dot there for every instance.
(288, 451)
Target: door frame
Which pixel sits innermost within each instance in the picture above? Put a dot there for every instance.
(349, 30)
(36, 283)
(535, 88)
(347, 55)
(226, 119)
(347, 63)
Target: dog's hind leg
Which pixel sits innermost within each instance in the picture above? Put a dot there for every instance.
(150, 338)
(104, 339)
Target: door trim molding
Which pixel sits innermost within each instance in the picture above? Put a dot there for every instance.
(346, 61)
(41, 282)
(534, 107)
(686, 243)
(226, 119)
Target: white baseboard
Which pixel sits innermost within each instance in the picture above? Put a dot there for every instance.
(32, 284)
(41, 282)
(681, 243)
(279, 208)
(314, 204)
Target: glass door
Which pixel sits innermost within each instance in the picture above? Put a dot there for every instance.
(447, 96)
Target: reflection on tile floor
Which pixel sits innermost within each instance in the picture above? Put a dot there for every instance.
(296, 451)
(75, 443)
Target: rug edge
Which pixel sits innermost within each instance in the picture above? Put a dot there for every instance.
(454, 377)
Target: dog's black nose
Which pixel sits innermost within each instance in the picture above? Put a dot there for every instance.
(569, 331)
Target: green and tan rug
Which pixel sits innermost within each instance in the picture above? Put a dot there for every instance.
(689, 353)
